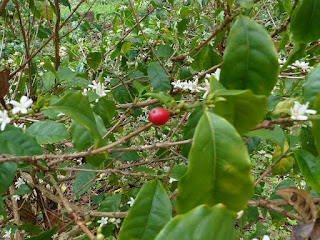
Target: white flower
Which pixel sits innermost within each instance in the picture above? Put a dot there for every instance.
(298, 111)
(7, 234)
(16, 197)
(171, 180)
(4, 119)
(21, 125)
(131, 201)
(206, 88)
(19, 182)
(99, 88)
(55, 236)
(26, 196)
(217, 74)
(21, 106)
(62, 51)
(189, 59)
(302, 65)
(107, 79)
(115, 221)
(265, 237)
(239, 214)
(103, 221)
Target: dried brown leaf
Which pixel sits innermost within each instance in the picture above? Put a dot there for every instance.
(301, 201)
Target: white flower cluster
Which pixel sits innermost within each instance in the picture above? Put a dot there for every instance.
(22, 106)
(299, 111)
(99, 88)
(304, 66)
(105, 220)
(194, 86)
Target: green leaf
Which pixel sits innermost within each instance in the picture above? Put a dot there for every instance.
(106, 109)
(205, 59)
(307, 140)
(250, 60)
(203, 222)
(185, 12)
(77, 107)
(149, 213)
(30, 228)
(243, 109)
(23, 189)
(276, 135)
(316, 124)
(45, 235)
(310, 168)
(93, 60)
(164, 51)
(165, 98)
(83, 178)
(126, 46)
(81, 137)
(311, 87)
(48, 132)
(2, 209)
(219, 167)
(48, 80)
(305, 21)
(110, 204)
(178, 171)
(14, 141)
(120, 93)
(158, 77)
(7, 173)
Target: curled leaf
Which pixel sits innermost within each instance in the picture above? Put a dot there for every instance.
(301, 201)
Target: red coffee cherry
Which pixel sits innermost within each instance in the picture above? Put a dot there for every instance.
(158, 116)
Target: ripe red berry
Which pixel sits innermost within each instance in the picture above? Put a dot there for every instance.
(178, 149)
(158, 116)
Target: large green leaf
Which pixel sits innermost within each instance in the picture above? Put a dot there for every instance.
(77, 106)
(250, 60)
(310, 168)
(316, 124)
(311, 87)
(14, 141)
(205, 59)
(219, 167)
(45, 235)
(276, 135)
(203, 222)
(243, 109)
(48, 132)
(83, 179)
(158, 77)
(110, 204)
(106, 109)
(81, 137)
(305, 21)
(148, 215)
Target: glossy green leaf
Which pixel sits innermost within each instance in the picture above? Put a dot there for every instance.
(149, 213)
(242, 108)
(276, 135)
(81, 137)
(30, 228)
(165, 51)
(162, 97)
(158, 77)
(311, 87)
(250, 60)
(77, 106)
(48, 132)
(219, 167)
(305, 21)
(93, 60)
(310, 168)
(120, 93)
(45, 235)
(14, 141)
(106, 109)
(23, 189)
(203, 222)
(7, 173)
(205, 59)
(316, 124)
(83, 179)
(307, 140)
(110, 204)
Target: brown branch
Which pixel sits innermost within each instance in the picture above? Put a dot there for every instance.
(56, 36)
(70, 211)
(137, 105)
(3, 6)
